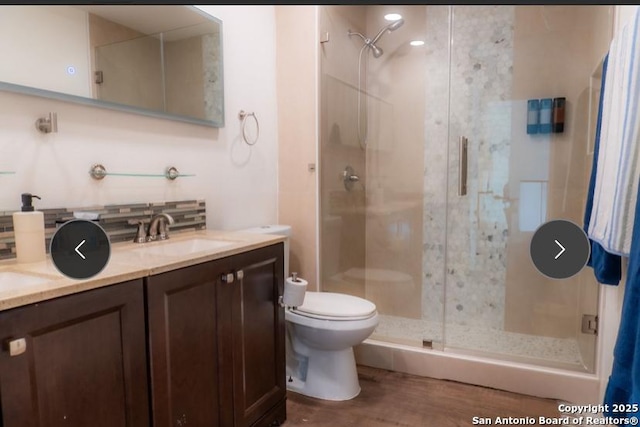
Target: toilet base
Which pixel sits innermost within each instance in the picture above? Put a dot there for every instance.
(331, 375)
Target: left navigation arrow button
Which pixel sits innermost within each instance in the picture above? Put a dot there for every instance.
(78, 250)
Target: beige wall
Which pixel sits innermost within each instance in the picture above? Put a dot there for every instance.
(297, 128)
(395, 164)
(361, 254)
(343, 215)
(536, 304)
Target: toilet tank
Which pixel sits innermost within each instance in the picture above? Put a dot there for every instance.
(284, 230)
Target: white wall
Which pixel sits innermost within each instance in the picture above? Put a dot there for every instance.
(239, 183)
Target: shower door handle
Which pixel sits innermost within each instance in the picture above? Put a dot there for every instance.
(463, 166)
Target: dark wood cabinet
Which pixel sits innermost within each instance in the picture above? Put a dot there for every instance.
(198, 346)
(183, 348)
(84, 364)
(252, 331)
(216, 342)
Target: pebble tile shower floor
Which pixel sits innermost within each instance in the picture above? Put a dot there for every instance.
(561, 350)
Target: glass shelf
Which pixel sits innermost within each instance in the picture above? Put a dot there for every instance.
(98, 172)
(144, 175)
(7, 173)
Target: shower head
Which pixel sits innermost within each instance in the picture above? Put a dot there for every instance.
(371, 43)
(396, 24)
(391, 27)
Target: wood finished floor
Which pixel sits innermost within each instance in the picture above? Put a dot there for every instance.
(396, 399)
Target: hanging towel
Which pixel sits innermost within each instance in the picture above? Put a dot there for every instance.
(624, 382)
(606, 267)
(618, 172)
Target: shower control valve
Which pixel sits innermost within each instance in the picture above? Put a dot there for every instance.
(349, 176)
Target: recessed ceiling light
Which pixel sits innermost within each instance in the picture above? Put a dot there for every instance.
(416, 43)
(392, 16)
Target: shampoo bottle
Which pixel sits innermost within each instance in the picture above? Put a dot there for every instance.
(546, 107)
(28, 226)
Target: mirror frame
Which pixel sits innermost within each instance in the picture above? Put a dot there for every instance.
(92, 102)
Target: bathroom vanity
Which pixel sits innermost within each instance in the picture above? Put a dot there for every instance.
(157, 339)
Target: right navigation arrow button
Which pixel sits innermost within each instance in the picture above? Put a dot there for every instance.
(562, 249)
(549, 245)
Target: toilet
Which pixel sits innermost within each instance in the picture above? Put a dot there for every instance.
(321, 334)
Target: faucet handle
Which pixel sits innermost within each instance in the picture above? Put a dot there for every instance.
(141, 234)
(163, 229)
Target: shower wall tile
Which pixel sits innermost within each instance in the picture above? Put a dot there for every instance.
(342, 212)
(435, 167)
(477, 232)
(396, 85)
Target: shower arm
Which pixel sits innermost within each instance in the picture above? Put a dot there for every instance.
(354, 33)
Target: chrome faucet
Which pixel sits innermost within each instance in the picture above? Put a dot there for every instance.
(159, 227)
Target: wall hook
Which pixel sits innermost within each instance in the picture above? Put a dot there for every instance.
(48, 124)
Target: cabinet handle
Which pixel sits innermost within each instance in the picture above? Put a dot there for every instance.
(227, 278)
(240, 275)
(17, 347)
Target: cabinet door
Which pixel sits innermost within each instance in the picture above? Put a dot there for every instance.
(84, 364)
(183, 346)
(257, 336)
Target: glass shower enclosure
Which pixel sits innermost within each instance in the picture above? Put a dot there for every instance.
(432, 184)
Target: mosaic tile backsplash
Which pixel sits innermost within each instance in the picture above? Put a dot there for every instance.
(189, 215)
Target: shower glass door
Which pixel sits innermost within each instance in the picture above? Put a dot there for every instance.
(448, 267)
(503, 183)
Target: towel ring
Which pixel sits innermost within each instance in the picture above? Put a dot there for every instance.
(242, 115)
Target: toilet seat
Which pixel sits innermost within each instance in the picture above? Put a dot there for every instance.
(334, 306)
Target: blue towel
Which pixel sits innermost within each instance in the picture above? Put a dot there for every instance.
(618, 173)
(624, 382)
(606, 267)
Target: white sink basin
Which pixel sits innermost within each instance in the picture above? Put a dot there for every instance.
(13, 280)
(181, 247)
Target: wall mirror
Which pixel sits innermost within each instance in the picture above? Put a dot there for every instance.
(162, 61)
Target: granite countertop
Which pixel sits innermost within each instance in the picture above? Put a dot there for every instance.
(127, 262)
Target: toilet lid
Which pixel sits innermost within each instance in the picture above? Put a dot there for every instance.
(336, 306)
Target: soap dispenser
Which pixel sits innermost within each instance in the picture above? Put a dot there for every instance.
(28, 227)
